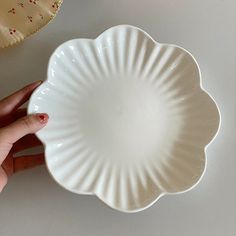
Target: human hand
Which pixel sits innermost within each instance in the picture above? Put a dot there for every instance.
(17, 133)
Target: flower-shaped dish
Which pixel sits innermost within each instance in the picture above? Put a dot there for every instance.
(129, 120)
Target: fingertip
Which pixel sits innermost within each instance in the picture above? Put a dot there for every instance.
(31, 87)
(43, 118)
(36, 83)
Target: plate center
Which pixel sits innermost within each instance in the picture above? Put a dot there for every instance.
(124, 118)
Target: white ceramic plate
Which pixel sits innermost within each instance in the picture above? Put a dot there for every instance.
(129, 121)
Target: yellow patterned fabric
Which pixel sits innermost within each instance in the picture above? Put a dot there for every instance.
(21, 18)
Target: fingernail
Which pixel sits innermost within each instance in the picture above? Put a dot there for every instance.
(43, 118)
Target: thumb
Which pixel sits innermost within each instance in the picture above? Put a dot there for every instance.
(26, 125)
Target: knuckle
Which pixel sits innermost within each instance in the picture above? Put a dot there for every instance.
(27, 122)
(3, 138)
(5, 108)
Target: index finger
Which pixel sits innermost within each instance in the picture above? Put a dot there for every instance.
(15, 100)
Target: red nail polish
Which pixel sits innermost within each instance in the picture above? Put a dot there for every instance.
(43, 118)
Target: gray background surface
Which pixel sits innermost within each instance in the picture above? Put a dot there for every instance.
(32, 204)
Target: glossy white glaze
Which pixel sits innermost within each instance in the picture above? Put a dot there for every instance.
(129, 120)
